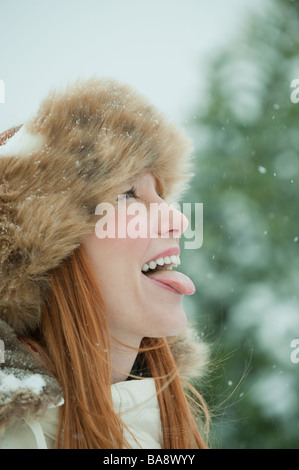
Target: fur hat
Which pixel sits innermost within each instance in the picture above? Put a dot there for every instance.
(83, 143)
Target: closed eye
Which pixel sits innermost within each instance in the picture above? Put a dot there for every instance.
(131, 193)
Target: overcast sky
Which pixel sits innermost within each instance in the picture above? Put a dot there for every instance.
(158, 46)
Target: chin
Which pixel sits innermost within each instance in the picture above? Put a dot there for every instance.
(176, 322)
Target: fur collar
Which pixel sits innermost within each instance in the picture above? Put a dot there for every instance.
(27, 389)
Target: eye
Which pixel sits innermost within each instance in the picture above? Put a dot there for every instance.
(131, 193)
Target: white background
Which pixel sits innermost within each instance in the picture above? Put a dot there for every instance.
(161, 47)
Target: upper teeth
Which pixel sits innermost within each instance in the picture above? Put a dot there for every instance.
(173, 259)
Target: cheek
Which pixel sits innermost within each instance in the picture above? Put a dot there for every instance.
(132, 235)
(117, 259)
(126, 222)
(117, 263)
(132, 222)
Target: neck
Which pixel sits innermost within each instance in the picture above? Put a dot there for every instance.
(122, 360)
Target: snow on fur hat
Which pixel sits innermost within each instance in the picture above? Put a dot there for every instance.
(81, 145)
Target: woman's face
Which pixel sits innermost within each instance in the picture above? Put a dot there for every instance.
(140, 303)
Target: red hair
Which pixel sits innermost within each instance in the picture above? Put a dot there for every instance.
(74, 344)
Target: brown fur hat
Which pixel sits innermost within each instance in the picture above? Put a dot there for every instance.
(83, 143)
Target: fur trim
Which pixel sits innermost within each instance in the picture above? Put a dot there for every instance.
(191, 354)
(26, 388)
(83, 144)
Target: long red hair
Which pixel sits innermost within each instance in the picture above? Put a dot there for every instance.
(74, 343)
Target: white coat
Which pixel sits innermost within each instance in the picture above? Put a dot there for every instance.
(133, 399)
(30, 396)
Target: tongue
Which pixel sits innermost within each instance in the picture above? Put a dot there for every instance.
(179, 281)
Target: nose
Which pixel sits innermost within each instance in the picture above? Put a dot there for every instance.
(167, 220)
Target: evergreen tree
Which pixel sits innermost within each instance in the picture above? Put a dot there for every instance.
(247, 271)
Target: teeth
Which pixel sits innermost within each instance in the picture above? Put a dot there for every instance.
(167, 260)
(152, 264)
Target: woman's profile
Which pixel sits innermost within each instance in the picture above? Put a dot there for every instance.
(98, 350)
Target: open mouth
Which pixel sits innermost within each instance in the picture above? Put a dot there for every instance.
(160, 272)
(167, 262)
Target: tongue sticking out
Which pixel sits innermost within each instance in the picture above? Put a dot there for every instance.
(178, 281)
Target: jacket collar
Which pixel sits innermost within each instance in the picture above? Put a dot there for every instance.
(27, 389)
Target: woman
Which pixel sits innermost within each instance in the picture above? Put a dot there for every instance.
(97, 348)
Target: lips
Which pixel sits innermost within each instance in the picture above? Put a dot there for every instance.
(159, 271)
(172, 280)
